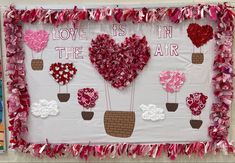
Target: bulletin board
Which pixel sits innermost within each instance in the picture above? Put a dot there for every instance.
(114, 81)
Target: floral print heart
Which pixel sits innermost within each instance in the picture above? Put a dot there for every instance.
(62, 72)
(119, 64)
(196, 102)
(36, 40)
(87, 97)
(199, 35)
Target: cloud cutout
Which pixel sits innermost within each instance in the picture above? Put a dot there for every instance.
(44, 108)
(152, 112)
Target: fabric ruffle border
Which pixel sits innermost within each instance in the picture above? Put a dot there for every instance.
(19, 99)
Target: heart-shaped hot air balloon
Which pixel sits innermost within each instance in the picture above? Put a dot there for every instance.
(63, 73)
(119, 64)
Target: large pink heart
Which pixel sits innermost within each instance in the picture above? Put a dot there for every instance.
(121, 63)
(36, 40)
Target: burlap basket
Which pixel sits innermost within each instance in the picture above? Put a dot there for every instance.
(119, 123)
(172, 107)
(63, 97)
(87, 115)
(196, 124)
(37, 64)
(197, 58)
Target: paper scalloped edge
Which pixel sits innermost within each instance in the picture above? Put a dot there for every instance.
(19, 101)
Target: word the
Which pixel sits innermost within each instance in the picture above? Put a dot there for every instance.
(69, 52)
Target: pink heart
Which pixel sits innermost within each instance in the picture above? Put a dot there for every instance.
(36, 40)
(172, 81)
(121, 63)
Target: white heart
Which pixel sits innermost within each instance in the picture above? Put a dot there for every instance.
(57, 68)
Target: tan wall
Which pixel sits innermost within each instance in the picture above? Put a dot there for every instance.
(11, 156)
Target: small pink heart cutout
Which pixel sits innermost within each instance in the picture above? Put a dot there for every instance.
(36, 40)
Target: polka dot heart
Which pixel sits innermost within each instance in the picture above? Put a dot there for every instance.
(62, 72)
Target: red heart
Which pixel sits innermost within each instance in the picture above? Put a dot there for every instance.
(199, 35)
(62, 73)
(121, 63)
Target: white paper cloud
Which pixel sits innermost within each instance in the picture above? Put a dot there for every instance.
(44, 108)
(152, 112)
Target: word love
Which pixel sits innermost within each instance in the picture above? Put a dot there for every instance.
(69, 33)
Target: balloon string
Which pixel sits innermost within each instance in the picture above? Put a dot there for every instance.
(167, 97)
(108, 100)
(66, 86)
(175, 97)
(32, 54)
(110, 106)
(132, 96)
(107, 96)
(105, 93)
(41, 54)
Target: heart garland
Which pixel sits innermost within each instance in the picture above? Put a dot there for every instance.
(62, 72)
(121, 63)
(199, 35)
(36, 40)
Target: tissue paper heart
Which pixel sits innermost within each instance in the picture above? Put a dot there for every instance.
(62, 73)
(36, 40)
(199, 35)
(119, 64)
(172, 81)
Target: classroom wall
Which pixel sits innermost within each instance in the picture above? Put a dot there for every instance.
(11, 156)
